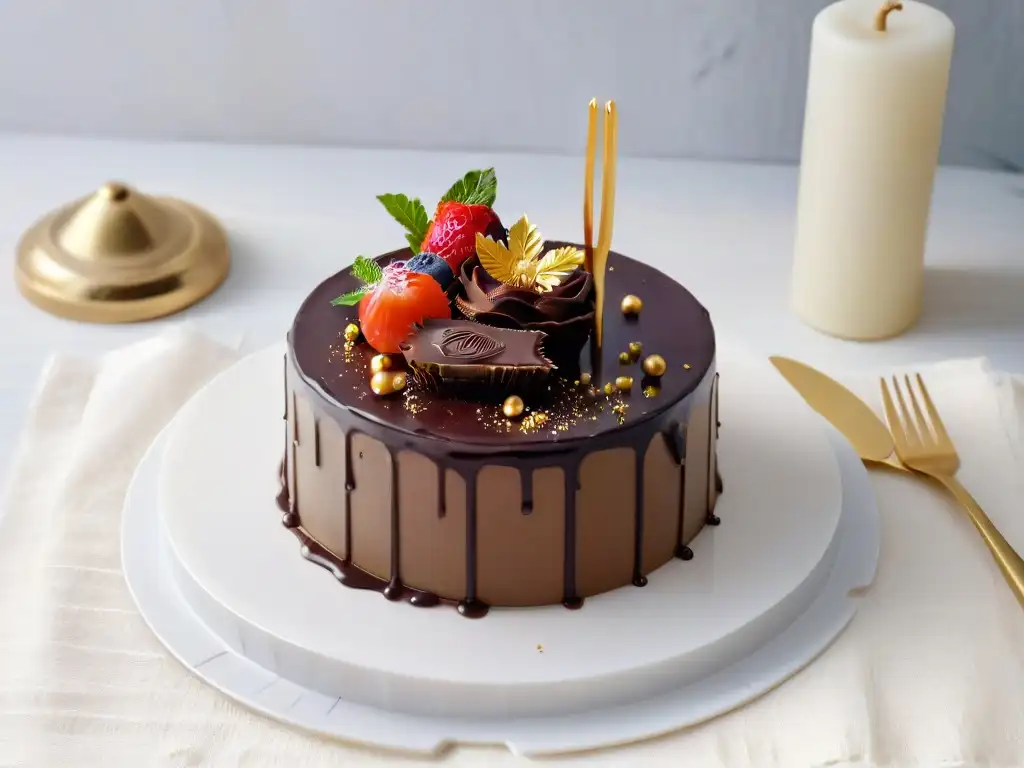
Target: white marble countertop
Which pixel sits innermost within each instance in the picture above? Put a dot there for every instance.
(295, 215)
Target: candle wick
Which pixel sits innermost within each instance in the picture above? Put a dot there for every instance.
(882, 17)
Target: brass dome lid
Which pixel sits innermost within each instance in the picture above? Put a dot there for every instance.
(119, 256)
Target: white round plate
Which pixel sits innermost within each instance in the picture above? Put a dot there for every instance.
(232, 598)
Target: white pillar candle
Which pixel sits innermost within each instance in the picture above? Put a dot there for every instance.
(873, 125)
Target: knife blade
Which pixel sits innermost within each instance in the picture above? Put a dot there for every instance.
(866, 432)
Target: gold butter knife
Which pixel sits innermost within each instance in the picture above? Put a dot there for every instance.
(865, 431)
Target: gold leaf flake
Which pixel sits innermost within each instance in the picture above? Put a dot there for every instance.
(495, 258)
(519, 264)
(524, 240)
(556, 266)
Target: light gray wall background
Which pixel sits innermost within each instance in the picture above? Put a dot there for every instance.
(721, 79)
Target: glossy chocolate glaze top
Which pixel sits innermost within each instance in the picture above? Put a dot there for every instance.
(672, 324)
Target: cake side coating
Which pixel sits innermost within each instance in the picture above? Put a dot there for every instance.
(427, 498)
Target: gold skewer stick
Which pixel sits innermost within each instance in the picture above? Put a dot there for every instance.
(604, 238)
(588, 188)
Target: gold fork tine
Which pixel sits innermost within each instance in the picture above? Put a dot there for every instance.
(924, 433)
(588, 188)
(608, 162)
(899, 437)
(913, 438)
(604, 236)
(937, 426)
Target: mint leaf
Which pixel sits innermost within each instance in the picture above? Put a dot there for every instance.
(367, 270)
(369, 273)
(475, 188)
(409, 213)
(349, 299)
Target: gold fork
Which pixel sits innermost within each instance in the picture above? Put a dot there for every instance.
(924, 445)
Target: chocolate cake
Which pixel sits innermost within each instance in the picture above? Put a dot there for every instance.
(456, 433)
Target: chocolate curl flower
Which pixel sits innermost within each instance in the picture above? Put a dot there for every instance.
(565, 313)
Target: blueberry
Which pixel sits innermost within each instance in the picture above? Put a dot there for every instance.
(435, 266)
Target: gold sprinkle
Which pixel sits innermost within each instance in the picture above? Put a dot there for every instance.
(513, 406)
(619, 409)
(624, 358)
(635, 349)
(351, 332)
(654, 365)
(686, 366)
(412, 403)
(624, 383)
(569, 407)
(651, 391)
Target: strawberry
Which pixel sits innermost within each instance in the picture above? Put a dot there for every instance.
(452, 233)
(401, 299)
(465, 209)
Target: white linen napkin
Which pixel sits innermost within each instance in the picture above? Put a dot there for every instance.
(930, 672)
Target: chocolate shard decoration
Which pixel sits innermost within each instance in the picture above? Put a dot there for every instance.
(470, 345)
(469, 357)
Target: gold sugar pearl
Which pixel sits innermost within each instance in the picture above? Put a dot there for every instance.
(624, 358)
(635, 349)
(609, 388)
(351, 332)
(386, 383)
(513, 406)
(585, 379)
(381, 384)
(654, 365)
(380, 363)
(631, 305)
(624, 383)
